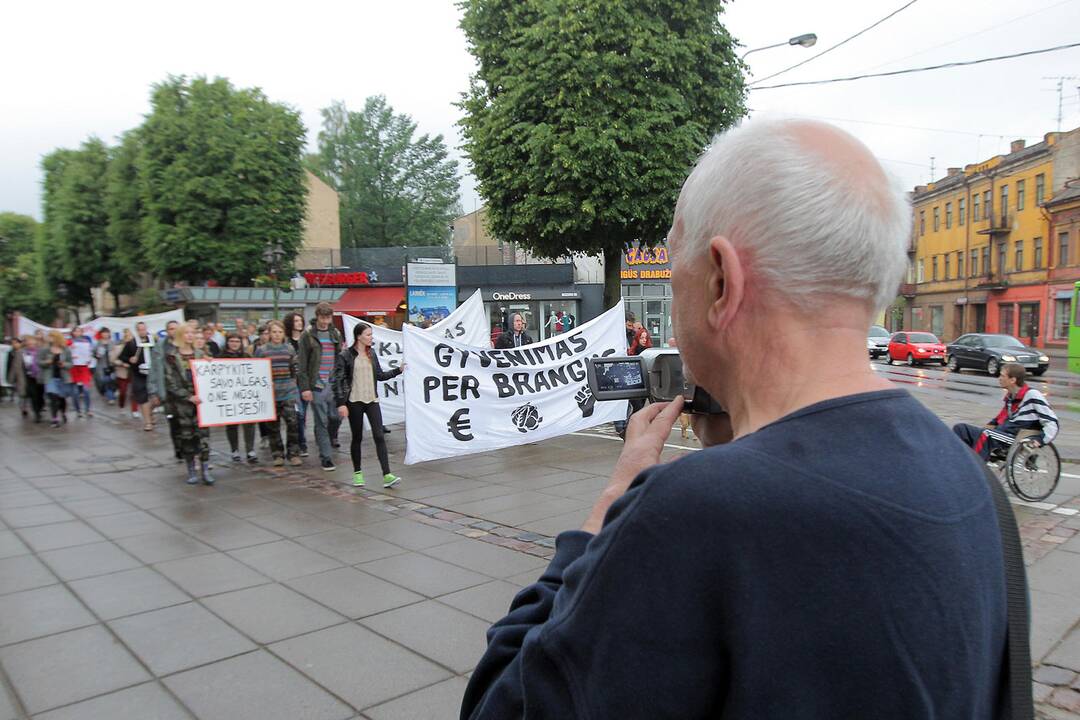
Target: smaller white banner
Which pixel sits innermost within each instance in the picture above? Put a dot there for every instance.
(234, 391)
(154, 324)
(5, 358)
(467, 324)
(461, 400)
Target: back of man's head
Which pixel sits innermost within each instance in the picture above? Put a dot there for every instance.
(808, 207)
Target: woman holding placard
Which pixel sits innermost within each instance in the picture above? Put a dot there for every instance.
(283, 369)
(356, 371)
(234, 348)
(194, 441)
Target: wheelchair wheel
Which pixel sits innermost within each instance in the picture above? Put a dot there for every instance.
(1032, 472)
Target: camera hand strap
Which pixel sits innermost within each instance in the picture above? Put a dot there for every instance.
(1017, 680)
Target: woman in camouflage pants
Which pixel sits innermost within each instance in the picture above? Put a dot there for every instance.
(180, 393)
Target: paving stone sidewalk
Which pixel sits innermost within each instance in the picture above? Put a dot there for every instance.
(283, 593)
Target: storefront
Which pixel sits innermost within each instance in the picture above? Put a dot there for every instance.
(374, 295)
(548, 311)
(226, 305)
(544, 294)
(646, 289)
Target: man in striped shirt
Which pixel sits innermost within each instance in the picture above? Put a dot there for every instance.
(1025, 409)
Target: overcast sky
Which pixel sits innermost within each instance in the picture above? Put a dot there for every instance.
(74, 69)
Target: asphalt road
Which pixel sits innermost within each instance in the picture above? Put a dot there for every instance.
(1061, 387)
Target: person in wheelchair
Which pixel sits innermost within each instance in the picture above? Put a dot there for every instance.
(1025, 409)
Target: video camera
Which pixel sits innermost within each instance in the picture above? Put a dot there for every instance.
(656, 375)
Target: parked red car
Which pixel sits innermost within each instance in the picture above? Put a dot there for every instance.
(915, 348)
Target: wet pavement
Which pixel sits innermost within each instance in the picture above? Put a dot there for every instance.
(283, 593)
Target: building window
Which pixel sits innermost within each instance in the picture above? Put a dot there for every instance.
(937, 218)
(976, 202)
(934, 261)
(959, 265)
(1062, 312)
(961, 210)
(1004, 202)
(922, 222)
(937, 320)
(947, 264)
(986, 260)
(1037, 253)
(1001, 257)
(1020, 195)
(1040, 189)
(1063, 249)
(1019, 256)
(986, 205)
(922, 271)
(1006, 320)
(973, 269)
(948, 215)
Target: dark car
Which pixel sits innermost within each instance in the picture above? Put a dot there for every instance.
(987, 351)
(877, 341)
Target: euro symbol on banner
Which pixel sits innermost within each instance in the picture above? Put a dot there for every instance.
(459, 425)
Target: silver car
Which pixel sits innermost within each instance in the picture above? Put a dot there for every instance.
(877, 341)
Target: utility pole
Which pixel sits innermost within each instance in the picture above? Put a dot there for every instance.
(1060, 92)
(932, 175)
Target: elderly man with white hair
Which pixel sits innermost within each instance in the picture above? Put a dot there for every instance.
(834, 552)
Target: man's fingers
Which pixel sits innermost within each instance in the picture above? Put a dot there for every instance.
(663, 415)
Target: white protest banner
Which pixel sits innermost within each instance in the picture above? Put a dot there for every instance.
(462, 400)
(5, 358)
(234, 391)
(467, 324)
(154, 324)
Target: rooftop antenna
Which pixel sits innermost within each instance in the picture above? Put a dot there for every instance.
(1060, 92)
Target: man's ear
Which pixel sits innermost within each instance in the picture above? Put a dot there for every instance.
(726, 283)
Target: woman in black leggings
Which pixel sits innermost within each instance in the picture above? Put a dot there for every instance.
(356, 373)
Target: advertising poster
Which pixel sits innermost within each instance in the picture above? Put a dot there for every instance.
(432, 292)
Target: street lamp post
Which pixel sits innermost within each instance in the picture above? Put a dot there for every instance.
(805, 40)
(272, 255)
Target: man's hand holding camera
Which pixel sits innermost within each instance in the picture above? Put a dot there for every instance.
(646, 433)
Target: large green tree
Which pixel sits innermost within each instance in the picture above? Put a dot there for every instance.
(221, 179)
(20, 283)
(584, 117)
(123, 205)
(76, 250)
(396, 188)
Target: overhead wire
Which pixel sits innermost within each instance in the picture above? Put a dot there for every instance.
(908, 71)
(839, 44)
(972, 34)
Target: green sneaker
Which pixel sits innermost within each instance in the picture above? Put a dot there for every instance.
(389, 480)
(358, 479)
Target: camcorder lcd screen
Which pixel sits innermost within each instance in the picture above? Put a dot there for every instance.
(617, 375)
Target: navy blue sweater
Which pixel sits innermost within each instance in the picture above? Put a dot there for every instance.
(842, 562)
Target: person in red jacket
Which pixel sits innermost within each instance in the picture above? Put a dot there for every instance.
(642, 340)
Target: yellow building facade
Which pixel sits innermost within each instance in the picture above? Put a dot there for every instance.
(983, 246)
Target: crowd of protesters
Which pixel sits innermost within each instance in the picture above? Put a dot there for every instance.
(150, 376)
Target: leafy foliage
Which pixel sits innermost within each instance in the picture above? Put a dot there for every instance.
(20, 283)
(123, 205)
(74, 250)
(585, 116)
(395, 189)
(220, 179)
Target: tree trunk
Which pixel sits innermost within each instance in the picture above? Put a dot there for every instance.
(612, 278)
